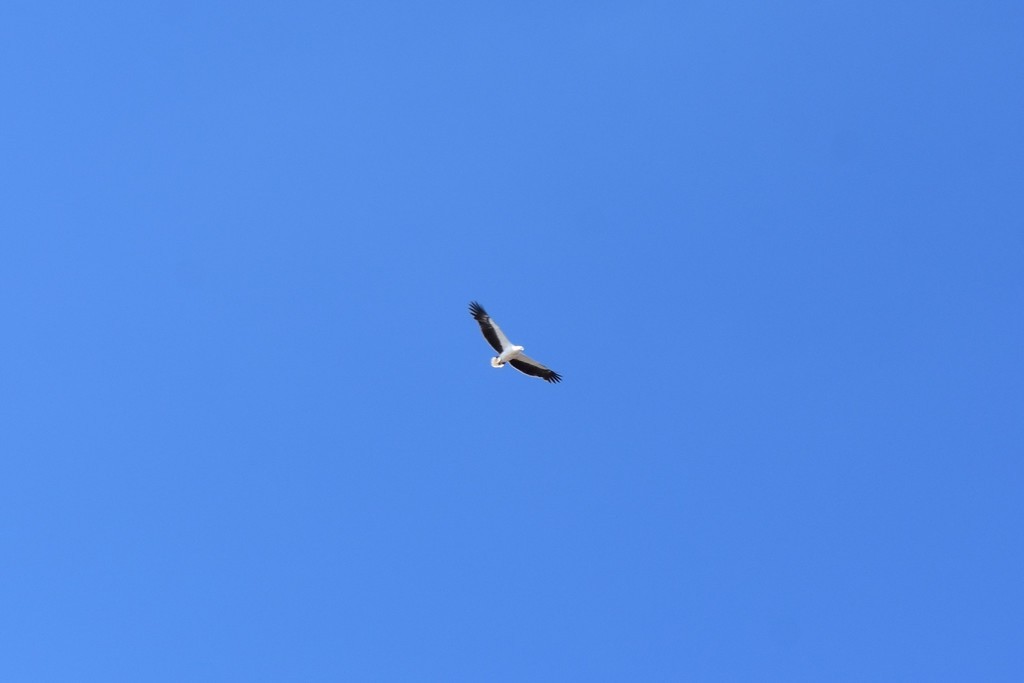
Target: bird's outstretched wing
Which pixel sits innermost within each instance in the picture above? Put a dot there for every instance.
(529, 366)
(492, 333)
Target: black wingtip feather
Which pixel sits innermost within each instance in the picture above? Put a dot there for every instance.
(477, 311)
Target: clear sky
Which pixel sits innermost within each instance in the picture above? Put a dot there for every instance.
(251, 433)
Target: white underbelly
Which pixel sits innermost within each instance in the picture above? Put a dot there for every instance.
(509, 353)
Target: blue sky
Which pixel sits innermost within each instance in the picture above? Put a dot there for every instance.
(251, 432)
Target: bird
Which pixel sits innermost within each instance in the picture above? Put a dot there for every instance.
(507, 351)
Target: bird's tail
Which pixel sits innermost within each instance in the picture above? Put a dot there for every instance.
(495, 363)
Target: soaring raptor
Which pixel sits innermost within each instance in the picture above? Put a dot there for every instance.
(507, 351)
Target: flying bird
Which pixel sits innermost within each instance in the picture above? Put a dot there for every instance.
(507, 351)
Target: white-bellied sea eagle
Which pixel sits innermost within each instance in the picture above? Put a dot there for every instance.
(507, 351)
